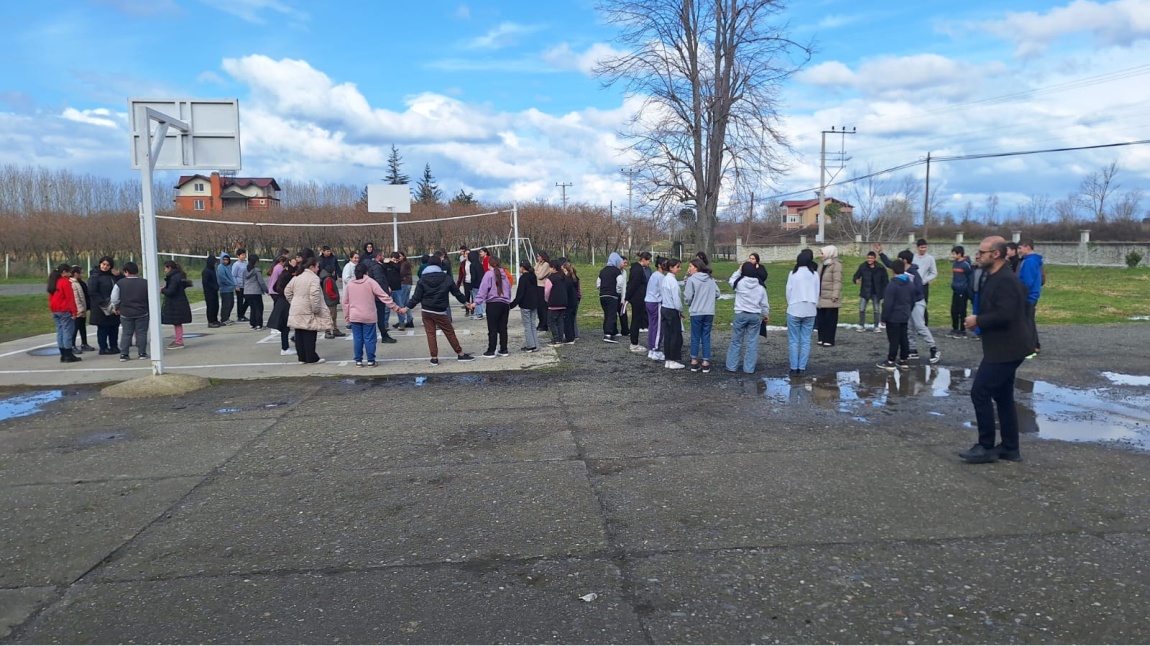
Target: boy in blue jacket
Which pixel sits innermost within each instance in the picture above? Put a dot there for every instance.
(1033, 277)
(960, 288)
(897, 304)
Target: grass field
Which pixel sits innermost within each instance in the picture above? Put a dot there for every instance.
(1072, 296)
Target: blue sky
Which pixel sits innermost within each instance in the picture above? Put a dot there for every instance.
(498, 99)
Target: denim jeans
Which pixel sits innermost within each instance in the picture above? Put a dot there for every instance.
(701, 336)
(530, 323)
(744, 342)
(400, 297)
(479, 309)
(65, 329)
(799, 330)
(875, 304)
(363, 338)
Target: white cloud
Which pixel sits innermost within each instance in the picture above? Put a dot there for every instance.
(834, 21)
(1117, 23)
(255, 11)
(102, 117)
(564, 58)
(210, 77)
(505, 34)
(903, 76)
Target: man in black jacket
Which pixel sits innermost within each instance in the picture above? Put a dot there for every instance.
(432, 293)
(872, 281)
(377, 272)
(1006, 340)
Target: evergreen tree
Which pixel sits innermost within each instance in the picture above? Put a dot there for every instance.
(464, 198)
(393, 163)
(426, 191)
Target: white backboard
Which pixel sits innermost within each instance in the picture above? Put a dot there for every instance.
(211, 143)
(388, 198)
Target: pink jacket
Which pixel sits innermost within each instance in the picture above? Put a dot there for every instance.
(359, 301)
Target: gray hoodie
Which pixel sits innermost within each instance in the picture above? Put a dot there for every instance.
(700, 294)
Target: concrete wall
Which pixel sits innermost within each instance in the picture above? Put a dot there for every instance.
(1082, 253)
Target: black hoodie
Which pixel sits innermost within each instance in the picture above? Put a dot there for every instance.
(527, 293)
(208, 279)
(432, 292)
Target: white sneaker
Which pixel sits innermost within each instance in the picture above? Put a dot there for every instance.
(659, 356)
(860, 328)
(638, 348)
(651, 355)
(284, 353)
(673, 365)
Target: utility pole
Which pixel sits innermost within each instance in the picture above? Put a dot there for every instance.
(926, 202)
(630, 172)
(563, 186)
(821, 237)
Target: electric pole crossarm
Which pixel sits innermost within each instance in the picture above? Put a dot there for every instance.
(821, 237)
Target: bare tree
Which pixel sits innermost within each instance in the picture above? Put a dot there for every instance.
(1097, 188)
(1127, 207)
(710, 73)
(992, 209)
(882, 208)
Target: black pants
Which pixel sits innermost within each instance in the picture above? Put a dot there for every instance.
(994, 386)
(544, 318)
(212, 303)
(241, 304)
(497, 314)
(255, 302)
(557, 324)
(610, 305)
(926, 297)
(106, 336)
(569, 329)
(826, 324)
(81, 330)
(227, 302)
(305, 345)
(672, 333)
(958, 311)
(1030, 307)
(898, 343)
(639, 322)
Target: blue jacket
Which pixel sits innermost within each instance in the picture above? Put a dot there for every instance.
(960, 279)
(224, 277)
(1030, 273)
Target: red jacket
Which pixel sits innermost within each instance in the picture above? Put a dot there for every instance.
(62, 300)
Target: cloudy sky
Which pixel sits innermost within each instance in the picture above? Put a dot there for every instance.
(498, 98)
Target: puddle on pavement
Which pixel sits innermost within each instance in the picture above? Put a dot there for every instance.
(462, 379)
(1119, 414)
(27, 403)
(862, 393)
(1084, 415)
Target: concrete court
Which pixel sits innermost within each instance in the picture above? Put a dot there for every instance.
(608, 501)
(238, 352)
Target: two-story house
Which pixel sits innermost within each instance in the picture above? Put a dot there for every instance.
(799, 214)
(216, 193)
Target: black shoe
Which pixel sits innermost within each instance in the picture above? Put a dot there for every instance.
(887, 365)
(213, 325)
(410, 324)
(531, 350)
(327, 335)
(144, 355)
(490, 354)
(609, 339)
(978, 454)
(502, 353)
(1009, 456)
(465, 357)
(913, 354)
(104, 351)
(87, 348)
(903, 365)
(114, 350)
(934, 355)
(434, 362)
(387, 339)
(242, 319)
(123, 357)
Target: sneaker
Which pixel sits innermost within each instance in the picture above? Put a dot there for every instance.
(434, 361)
(175, 346)
(651, 355)
(77, 350)
(213, 325)
(388, 339)
(532, 350)
(887, 365)
(979, 454)
(706, 367)
(321, 360)
(410, 324)
(673, 365)
(638, 348)
(609, 339)
(1009, 456)
(502, 353)
(488, 355)
(960, 335)
(1032, 355)
(934, 355)
(877, 329)
(339, 332)
(465, 357)
(913, 354)
(241, 319)
(479, 318)
(659, 356)
(284, 353)
(358, 364)
(860, 328)
(571, 342)
(258, 327)
(952, 334)
(123, 357)
(396, 326)
(144, 356)
(370, 364)
(326, 335)
(903, 365)
(694, 366)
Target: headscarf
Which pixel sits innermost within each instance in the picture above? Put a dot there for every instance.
(830, 253)
(615, 260)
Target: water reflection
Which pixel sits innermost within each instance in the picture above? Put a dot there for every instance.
(27, 403)
(1083, 415)
(854, 391)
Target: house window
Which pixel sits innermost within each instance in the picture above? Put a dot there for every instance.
(791, 219)
(198, 205)
(200, 187)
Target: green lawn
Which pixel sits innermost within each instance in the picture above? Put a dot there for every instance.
(23, 316)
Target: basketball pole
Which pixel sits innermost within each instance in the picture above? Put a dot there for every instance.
(152, 146)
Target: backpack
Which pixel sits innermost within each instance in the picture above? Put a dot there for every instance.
(330, 293)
